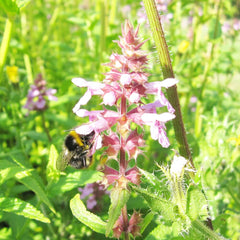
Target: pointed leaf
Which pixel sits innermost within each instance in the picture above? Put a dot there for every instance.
(146, 221)
(10, 7)
(8, 170)
(119, 198)
(165, 232)
(153, 182)
(52, 173)
(20, 207)
(150, 178)
(157, 203)
(30, 180)
(22, 3)
(74, 180)
(215, 30)
(89, 219)
(196, 204)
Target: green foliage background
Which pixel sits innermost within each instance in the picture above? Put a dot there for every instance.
(66, 39)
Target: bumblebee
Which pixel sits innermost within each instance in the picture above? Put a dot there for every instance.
(76, 150)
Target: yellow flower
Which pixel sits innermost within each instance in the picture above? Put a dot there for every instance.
(183, 46)
(12, 73)
(237, 140)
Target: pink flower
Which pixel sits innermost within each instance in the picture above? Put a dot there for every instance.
(155, 88)
(94, 193)
(94, 88)
(39, 95)
(133, 225)
(133, 142)
(112, 142)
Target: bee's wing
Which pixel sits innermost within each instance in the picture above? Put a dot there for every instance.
(63, 159)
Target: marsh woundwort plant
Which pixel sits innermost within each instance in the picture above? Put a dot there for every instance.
(125, 86)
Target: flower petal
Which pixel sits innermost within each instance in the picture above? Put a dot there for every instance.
(83, 100)
(109, 98)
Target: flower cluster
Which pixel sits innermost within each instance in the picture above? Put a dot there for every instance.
(231, 26)
(94, 193)
(125, 86)
(133, 225)
(39, 94)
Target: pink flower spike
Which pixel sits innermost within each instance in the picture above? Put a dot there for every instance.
(38, 95)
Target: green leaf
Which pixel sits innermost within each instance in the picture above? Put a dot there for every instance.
(22, 3)
(52, 173)
(154, 182)
(196, 204)
(61, 163)
(10, 7)
(164, 232)
(151, 179)
(157, 203)
(74, 180)
(220, 221)
(89, 219)
(119, 198)
(20, 207)
(146, 221)
(215, 30)
(31, 180)
(8, 170)
(28, 177)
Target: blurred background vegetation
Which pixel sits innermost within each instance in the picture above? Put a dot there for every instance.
(66, 39)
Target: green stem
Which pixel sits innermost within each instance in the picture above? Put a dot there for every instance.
(125, 222)
(113, 11)
(204, 230)
(5, 44)
(28, 66)
(179, 195)
(45, 127)
(164, 57)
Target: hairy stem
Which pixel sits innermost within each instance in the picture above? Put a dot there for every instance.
(164, 57)
(125, 222)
